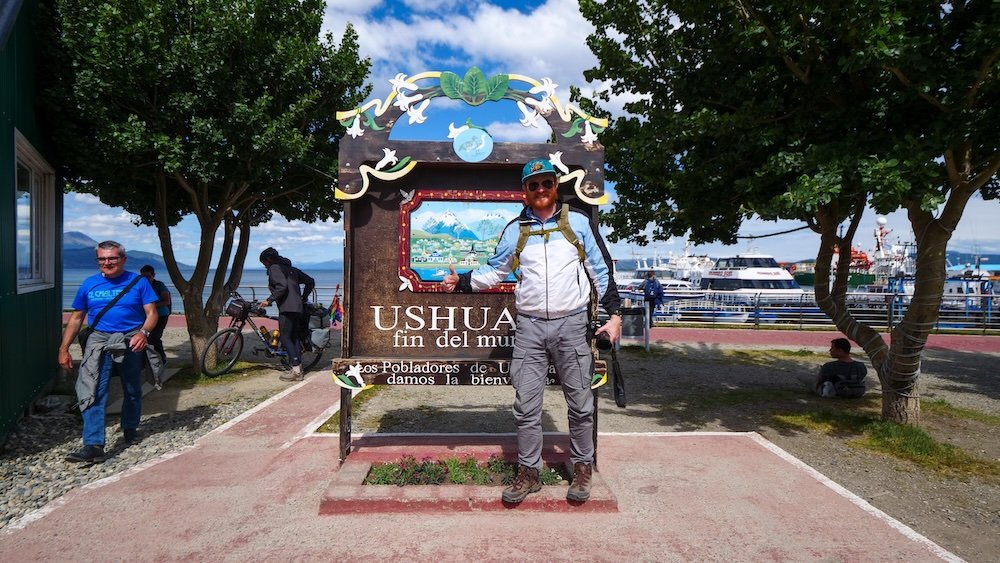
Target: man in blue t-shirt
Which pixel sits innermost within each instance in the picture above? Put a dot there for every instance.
(117, 343)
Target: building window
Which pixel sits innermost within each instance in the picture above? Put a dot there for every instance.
(34, 218)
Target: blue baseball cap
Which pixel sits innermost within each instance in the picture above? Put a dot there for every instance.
(536, 167)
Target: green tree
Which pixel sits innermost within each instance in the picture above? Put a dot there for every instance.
(223, 110)
(808, 110)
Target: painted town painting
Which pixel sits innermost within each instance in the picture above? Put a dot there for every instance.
(461, 233)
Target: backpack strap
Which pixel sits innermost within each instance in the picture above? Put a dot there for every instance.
(562, 226)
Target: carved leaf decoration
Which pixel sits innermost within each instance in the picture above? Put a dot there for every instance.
(474, 87)
(577, 123)
(407, 195)
(451, 85)
(496, 87)
(401, 164)
(370, 122)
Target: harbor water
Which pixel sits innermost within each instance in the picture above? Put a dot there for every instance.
(253, 285)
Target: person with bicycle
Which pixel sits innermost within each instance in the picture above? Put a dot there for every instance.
(283, 283)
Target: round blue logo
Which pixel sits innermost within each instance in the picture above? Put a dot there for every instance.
(473, 144)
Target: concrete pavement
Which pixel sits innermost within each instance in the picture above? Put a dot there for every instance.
(252, 491)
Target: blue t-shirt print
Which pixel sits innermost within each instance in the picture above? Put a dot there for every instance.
(127, 314)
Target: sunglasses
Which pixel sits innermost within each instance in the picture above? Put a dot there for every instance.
(547, 184)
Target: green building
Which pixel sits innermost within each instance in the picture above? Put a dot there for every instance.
(30, 224)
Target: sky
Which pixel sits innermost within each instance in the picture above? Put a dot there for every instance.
(540, 40)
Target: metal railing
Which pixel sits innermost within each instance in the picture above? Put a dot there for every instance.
(878, 310)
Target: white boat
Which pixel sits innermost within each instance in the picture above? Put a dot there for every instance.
(685, 266)
(752, 274)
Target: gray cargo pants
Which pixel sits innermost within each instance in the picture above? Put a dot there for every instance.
(563, 343)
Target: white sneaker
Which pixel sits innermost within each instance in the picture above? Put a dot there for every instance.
(294, 375)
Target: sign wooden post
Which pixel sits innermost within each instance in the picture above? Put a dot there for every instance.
(412, 208)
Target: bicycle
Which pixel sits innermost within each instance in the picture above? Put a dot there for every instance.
(223, 349)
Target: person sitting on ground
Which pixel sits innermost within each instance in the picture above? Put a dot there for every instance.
(843, 377)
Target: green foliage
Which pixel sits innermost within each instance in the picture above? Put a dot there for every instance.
(901, 441)
(944, 408)
(212, 95)
(782, 108)
(455, 471)
(474, 89)
(806, 111)
(223, 109)
(916, 445)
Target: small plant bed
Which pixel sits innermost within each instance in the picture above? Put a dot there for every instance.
(454, 471)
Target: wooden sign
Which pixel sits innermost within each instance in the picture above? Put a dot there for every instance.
(414, 208)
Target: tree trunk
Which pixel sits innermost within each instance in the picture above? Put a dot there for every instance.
(904, 409)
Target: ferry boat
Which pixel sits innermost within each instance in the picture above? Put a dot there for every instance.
(753, 274)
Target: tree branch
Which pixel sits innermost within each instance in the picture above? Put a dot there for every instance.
(751, 15)
(984, 71)
(906, 82)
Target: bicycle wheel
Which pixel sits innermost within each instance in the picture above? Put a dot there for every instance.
(311, 358)
(222, 351)
(308, 359)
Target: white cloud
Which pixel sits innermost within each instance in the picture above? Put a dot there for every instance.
(517, 133)
(549, 41)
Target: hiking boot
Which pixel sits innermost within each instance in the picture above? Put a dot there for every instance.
(524, 484)
(294, 375)
(579, 491)
(89, 454)
(132, 436)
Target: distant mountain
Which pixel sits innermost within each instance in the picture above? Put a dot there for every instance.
(491, 225)
(78, 253)
(449, 224)
(75, 239)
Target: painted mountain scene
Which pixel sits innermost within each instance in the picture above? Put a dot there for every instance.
(460, 233)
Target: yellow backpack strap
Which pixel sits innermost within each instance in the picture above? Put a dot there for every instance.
(568, 234)
(562, 226)
(522, 239)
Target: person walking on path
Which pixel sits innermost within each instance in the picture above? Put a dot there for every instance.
(163, 309)
(652, 292)
(121, 311)
(283, 282)
(844, 376)
(552, 298)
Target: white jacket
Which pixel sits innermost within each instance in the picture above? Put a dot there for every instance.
(554, 282)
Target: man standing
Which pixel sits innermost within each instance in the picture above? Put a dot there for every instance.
(652, 292)
(283, 281)
(124, 302)
(843, 377)
(552, 299)
(163, 308)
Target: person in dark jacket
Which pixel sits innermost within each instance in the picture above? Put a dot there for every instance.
(163, 307)
(844, 376)
(652, 292)
(289, 287)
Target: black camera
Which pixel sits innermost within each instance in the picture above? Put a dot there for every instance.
(603, 341)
